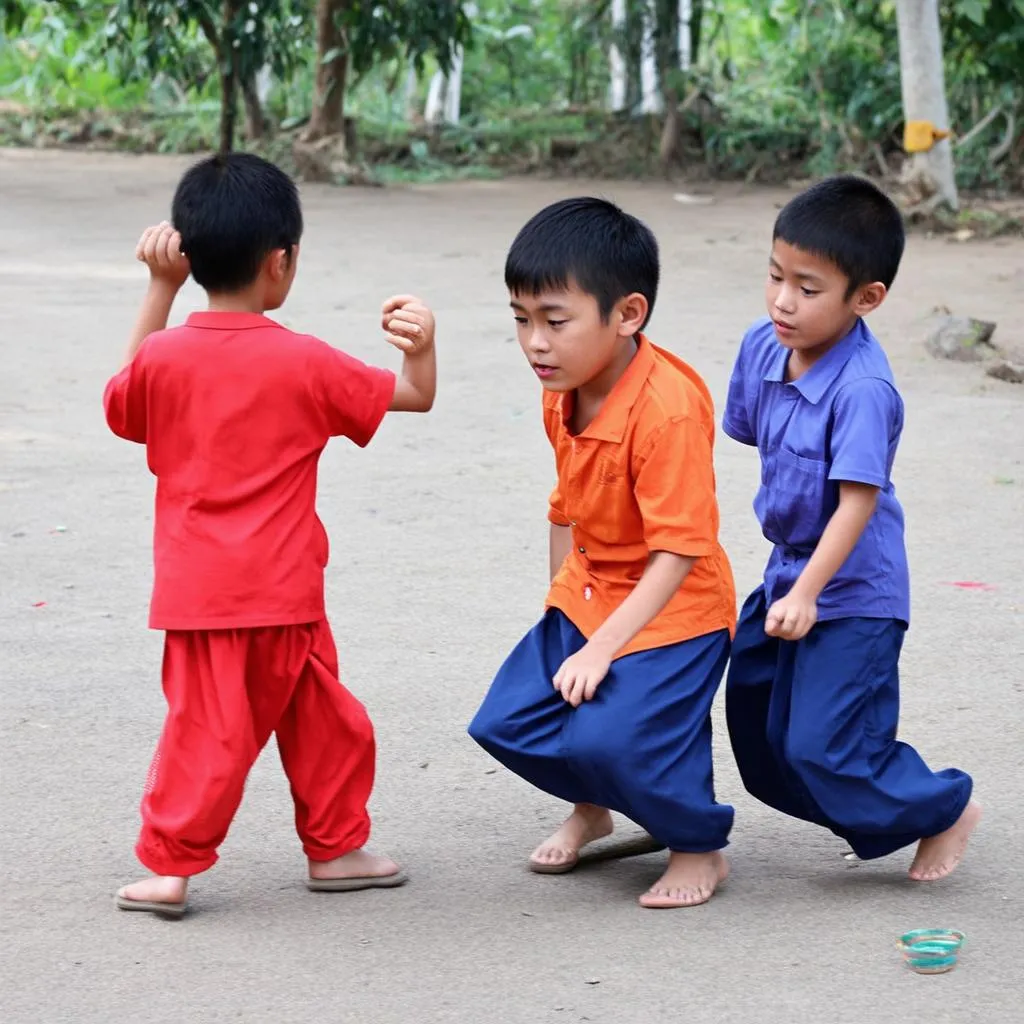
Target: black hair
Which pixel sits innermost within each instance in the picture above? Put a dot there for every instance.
(851, 223)
(606, 252)
(232, 211)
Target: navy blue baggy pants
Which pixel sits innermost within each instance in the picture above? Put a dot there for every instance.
(813, 729)
(641, 747)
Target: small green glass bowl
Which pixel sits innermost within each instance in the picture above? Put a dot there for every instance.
(931, 950)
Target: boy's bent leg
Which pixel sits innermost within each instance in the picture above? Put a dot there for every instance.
(756, 709)
(521, 723)
(875, 791)
(646, 740)
(206, 750)
(195, 783)
(326, 742)
(522, 718)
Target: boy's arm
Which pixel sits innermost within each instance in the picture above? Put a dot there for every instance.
(793, 616)
(736, 418)
(124, 397)
(680, 524)
(580, 675)
(559, 546)
(864, 416)
(560, 532)
(160, 249)
(409, 326)
(153, 314)
(355, 397)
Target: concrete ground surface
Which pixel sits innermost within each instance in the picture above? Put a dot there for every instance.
(438, 565)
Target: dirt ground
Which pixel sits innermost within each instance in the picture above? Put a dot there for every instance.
(439, 548)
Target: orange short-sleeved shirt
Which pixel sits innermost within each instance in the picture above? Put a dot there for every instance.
(640, 478)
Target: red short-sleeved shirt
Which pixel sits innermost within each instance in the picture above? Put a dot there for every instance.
(234, 411)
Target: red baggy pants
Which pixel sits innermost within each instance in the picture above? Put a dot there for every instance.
(227, 691)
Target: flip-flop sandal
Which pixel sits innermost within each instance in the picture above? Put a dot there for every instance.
(357, 883)
(634, 846)
(151, 906)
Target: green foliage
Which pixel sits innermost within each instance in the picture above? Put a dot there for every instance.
(828, 72)
(161, 36)
(377, 31)
(47, 60)
(535, 55)
(807, 86)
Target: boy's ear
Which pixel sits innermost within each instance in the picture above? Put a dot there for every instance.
(279, 262)
(632, 310)
(869, 297)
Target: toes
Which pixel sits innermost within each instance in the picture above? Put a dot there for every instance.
(553, 855)
(665, 896)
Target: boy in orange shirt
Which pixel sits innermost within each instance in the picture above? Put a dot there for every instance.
(606, 702)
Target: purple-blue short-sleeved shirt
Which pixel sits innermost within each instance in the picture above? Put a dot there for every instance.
(840, 421)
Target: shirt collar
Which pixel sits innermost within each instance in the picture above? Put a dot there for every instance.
(221, 321)
(822, 375)
(612, 418)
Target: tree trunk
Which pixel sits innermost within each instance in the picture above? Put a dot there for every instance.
(228, 104)
(227, 68)
(668, 146)
(685, 34)
(255, 121)
(412, 84)
(433, 112)
(616, 61)
(924, 94)
(328, 115)
(453, 94)
(650, 94)
(696, 23)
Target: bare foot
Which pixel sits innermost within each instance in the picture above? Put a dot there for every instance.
(357, 864)
(156, 894)
(938, 856)
(561, 852)
(690, 880)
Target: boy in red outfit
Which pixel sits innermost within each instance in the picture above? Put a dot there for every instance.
(234, 411)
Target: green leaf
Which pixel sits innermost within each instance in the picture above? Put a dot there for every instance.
(973, 10)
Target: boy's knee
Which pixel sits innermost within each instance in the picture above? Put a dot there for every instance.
(600, 749)
(489, 730)
(809, 756)
(362, 728)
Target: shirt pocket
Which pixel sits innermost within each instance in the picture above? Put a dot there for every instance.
(606, 497)
(801, 499)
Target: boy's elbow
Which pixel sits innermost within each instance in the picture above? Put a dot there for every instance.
(419, 404)
(408, 398)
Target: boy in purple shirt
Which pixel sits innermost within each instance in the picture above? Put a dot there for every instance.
(812, 697)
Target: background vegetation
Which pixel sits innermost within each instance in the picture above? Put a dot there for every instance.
(772, 88)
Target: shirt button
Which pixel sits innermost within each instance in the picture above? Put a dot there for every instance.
(587, 593)
(572, 522)
(582, 550)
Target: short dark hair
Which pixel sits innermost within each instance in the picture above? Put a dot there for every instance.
(851, 223)
(232, 211)
(607, 252)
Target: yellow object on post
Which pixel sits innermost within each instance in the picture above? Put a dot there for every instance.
(920, 136)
